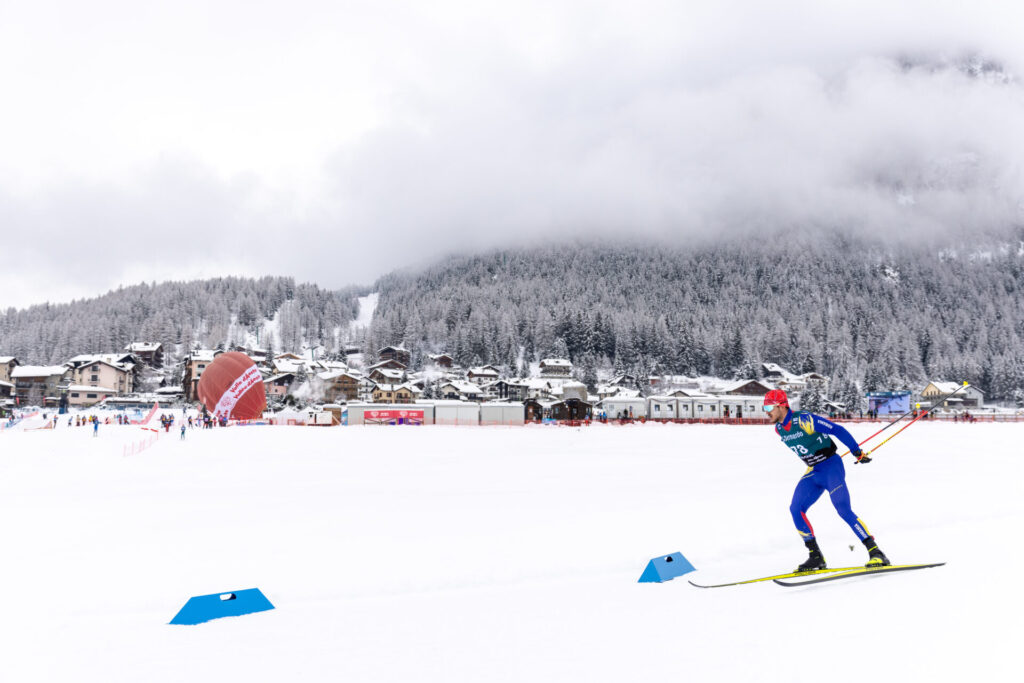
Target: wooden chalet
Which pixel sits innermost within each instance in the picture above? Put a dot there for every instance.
(150, 353)
(555, 367)
(442, 360)
(745, 387)
(965, 397)
(461, 391)
(572, 409)
(278, 385)
(395, 393)
(340, 386)
(507, 390)
(398, 353)
(389, 364)
(387, 376)
(7, 365)
(484, 373)
(40, 385)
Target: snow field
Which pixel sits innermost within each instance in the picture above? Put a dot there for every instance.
(499, 554)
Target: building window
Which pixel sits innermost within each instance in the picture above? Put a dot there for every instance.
(75, 395)
(90, 395)
(94, 378)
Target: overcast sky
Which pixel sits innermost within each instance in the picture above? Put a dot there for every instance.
(334, 141)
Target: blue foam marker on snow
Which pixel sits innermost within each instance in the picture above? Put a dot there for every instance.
(666, 568)
(234, 604)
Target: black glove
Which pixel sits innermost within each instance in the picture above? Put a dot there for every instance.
(860, 456)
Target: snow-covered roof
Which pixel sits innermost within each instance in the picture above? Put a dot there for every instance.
(389, 373)
(944, 387)
(38, 371)
(543, 402)
(624, 393)
(105, 359)
(483, 370)
(515, 382)
(335, 374)
(395, 387)
(388, 362)
(300, 365)
(115, 359)
(202, 355)
(5, 384)
(95, 390)
(733, 386)
(556, 362)
(141, 347)
(274, 378)
(168, 390)
(4, 360)
(632, 400)
(463, 387)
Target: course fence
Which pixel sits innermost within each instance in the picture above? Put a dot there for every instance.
(139, 445)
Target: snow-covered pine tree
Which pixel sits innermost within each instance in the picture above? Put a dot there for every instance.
(811, 399)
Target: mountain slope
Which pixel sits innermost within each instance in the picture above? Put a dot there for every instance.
(861, 312)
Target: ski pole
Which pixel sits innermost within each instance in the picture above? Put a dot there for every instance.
(897, 432)
(935, 405)
(911, 412)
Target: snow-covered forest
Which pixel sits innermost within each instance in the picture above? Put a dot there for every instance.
(208, 312)
(869, 316)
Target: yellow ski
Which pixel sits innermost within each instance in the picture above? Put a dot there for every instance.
(778, 576)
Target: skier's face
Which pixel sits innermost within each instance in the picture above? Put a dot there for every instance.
(777, 414)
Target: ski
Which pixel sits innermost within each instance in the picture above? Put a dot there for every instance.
(862, 571)
(777, 576)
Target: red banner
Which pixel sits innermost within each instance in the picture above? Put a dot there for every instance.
(409, 417)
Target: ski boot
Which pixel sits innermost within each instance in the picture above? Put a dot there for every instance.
(876, 558)
(816, 559)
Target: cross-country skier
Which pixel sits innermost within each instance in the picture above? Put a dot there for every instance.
(809, 436)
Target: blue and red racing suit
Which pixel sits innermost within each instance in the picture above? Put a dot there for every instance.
(809, 436)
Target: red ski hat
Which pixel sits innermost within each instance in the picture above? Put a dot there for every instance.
(776, 397)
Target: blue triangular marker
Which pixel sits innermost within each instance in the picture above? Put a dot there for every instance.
(204, 608)
(666, 568)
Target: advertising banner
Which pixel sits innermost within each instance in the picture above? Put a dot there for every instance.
(393, 417)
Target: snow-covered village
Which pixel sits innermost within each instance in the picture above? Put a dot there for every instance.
(511, 342)
(306, 390)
